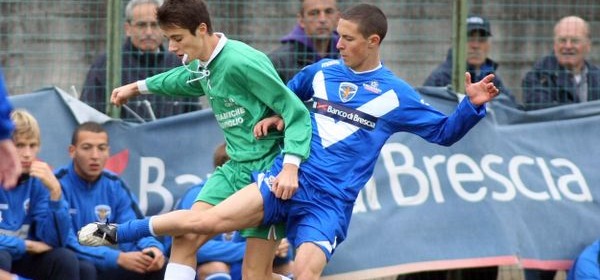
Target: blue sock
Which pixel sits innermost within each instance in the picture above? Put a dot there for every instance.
(133, 230)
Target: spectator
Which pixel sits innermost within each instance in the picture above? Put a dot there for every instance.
(478, 62)
(222, 256)
(242, 87)
(143, 56)
(9, 165)
(312, 39)
(97, 195)
(35, 221)
(565, 76)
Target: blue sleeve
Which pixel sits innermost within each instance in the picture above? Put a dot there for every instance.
(418, 117)
(586, 265)
(6, 125)
(102, 257)
(127, 209)
(14, 245)
(51, 218)
(301, 83)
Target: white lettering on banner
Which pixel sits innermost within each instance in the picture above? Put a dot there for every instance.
(156, 186)
(461, 169)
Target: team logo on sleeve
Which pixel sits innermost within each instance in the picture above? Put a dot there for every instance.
(347, 91)
(102, 212)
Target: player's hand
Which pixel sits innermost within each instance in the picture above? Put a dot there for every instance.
(282, 248)
(134, 261)
(42, 171)
(158, 258)
(36, 247)
(261, 129)
(10, 166)
(481, 92)
(121, 94)
(286, 182)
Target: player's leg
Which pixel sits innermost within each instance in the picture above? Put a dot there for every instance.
(242, 209)
(258, 259)
(309, 262)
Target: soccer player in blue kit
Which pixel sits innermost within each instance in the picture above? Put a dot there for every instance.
(355, 101)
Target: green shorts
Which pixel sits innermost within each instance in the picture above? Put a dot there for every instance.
(232, 177)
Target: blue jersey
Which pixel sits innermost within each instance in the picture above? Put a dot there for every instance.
(354, 114)
(108, 199)
(26, 212)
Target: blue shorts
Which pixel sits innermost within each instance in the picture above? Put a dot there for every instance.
(311, 215)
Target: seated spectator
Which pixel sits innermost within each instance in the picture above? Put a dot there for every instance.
(478, 62)
(143, 56)
(221, 257)
(34, 218)
(97, 195)
(565, 76)
(312, 39)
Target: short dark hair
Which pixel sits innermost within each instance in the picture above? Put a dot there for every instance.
(87, 126)
(187, 14)
(370, 19)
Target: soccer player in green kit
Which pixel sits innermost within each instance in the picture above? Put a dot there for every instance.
(242, 87)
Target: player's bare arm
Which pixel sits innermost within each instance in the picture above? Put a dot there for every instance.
(481, 92)
(121, 94)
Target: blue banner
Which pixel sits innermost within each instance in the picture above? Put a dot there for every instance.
(520, 188)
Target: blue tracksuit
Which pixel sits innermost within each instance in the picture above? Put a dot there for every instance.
(26, 212)
(106, 200)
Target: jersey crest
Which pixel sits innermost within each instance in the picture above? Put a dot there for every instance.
(347, 91)
(102, 213)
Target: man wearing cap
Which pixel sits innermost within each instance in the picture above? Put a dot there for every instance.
(478, 62)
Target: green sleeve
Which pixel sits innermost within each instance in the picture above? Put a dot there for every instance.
(175, 83)
(262, 78)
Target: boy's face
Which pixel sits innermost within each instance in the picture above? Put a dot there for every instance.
(353, 46)
(182, 41)
(27, 149)
(90, 154)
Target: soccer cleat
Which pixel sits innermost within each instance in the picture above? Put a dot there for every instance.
(98, 234)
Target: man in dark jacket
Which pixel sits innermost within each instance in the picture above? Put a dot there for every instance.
(143, 56)
(478, 62)
(312, 39)
(565, 76)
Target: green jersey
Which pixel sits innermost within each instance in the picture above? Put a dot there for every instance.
(243, 88)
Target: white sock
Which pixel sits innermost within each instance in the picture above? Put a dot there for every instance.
(177, 271)
(150, 226)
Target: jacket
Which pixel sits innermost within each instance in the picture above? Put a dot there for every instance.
(548, 84)
(137, 65)
(297, 51)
